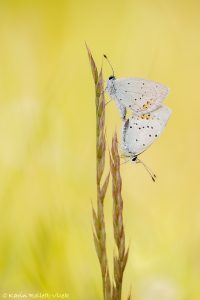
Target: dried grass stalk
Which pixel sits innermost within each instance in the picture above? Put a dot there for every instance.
(120, 259)
(129, 297)
(99, 232)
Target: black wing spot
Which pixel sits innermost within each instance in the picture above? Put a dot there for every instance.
(129, 105)
(149, 135)
(130, 126)
(143, 144)
(156, 135)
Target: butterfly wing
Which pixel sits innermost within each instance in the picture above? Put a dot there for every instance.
(140, 95)
(139, 132)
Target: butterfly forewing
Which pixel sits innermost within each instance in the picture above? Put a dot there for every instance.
(140, 95)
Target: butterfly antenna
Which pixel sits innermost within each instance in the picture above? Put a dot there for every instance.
(109, 64)
(153, 176)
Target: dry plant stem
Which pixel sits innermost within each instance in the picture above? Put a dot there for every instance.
(99, 232)
(120, 259)
(129, 297)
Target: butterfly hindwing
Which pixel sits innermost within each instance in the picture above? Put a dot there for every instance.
(139, 132)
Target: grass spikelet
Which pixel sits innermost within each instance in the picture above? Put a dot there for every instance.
(120, 259)
(98, 215)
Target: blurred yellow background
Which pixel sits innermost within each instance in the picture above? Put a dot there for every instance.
(47, 146)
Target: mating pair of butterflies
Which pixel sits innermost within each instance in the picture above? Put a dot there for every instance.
(144, 98)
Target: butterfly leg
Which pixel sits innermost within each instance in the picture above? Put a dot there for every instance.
(124, 162)
(108, 102)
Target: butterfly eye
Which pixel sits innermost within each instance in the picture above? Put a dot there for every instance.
(111, 77)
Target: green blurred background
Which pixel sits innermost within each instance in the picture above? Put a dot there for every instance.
(47, 146)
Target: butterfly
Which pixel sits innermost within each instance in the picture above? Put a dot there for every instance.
(137, 94)
(140, 131)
